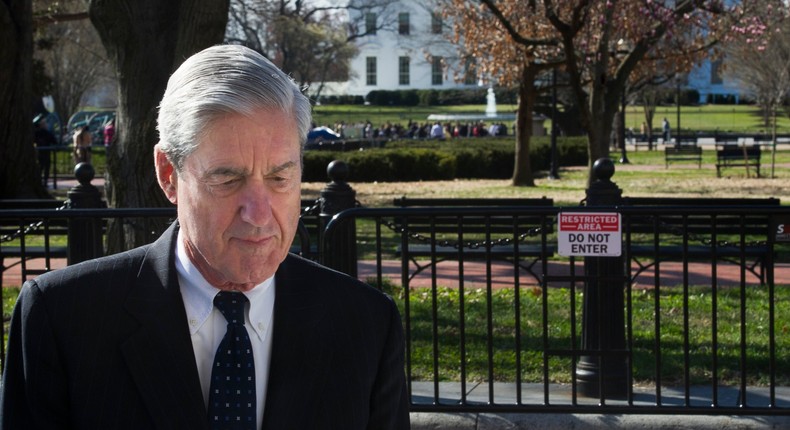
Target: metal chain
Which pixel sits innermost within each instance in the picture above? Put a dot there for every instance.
(666, 228)
(536, 231)
(314, 209)
(30, 228)
(136, 226)
(505, 241)
(704, 241)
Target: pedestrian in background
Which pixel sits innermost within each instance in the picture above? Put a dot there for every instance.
(82, 140)
(665, 131)
(109, 132)
(44, 142)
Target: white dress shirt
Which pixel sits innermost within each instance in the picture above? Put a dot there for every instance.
(207, 326)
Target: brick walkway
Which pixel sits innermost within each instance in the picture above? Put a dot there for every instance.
(502, 274)
(475, 272)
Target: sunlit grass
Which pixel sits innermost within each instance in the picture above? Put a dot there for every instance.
(673, 332)
(709, 118)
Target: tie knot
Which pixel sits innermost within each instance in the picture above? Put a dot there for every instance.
(231, 304)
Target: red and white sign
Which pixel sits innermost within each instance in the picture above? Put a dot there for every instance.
(589, 234)
(782, 229)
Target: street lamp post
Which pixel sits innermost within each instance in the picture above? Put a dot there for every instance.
(553, 171)
(677, 103)
(621, 132)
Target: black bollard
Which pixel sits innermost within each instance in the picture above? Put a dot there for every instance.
(604, 372)
(85, 234)
(341, 253)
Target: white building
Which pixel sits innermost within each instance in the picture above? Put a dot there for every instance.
(709, 81)
(409, 50)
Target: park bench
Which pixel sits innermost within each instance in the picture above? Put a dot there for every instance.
(683, 153)
(737, 156)
(441, 230)
(680, 235)
(406, 202)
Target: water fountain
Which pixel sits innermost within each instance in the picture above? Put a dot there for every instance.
(491, 103)
(490, 115)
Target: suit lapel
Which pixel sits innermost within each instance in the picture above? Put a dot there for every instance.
(160, 355)
(299, 347)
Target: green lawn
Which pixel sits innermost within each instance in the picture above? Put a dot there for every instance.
(504, 329)
(680, 180)
(724, 118)
(672, 335)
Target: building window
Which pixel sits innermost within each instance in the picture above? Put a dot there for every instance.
(370, 69)
(370, 23)
(436, 23)
(436, 71)
(403, 23)
(403, 70)
(715, 73)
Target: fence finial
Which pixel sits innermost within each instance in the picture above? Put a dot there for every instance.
(603, 372)
(336, 197)
(85, 234)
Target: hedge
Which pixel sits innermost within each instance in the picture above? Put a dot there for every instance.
(448, 97)
(484, 158)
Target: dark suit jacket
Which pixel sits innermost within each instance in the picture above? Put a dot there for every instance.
(105, 345)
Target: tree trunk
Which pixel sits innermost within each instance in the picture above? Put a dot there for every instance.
(649, 101)
(146, 40)
(18, 160)
(522, 170)
(598, 117)
(604, 104)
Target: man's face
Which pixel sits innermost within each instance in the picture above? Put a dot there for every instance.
(238, 197)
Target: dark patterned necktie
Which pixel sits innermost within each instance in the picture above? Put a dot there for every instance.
(231, 403)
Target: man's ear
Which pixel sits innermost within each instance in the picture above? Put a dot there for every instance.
(165, 174)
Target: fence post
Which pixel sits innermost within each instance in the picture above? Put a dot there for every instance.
(337, 196)
(85, 234)
(604, 373)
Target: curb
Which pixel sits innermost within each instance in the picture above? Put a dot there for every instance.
(471, 421)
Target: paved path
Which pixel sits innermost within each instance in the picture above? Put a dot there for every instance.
(501, 274)
(532, 396)
(560, 421)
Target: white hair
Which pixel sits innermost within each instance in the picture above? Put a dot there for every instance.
(218, 81)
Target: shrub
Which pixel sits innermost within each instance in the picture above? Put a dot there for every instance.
(400, 165)
(428, 97)
(342, 100)
(315, 164)
(484, 158)
(449, 97)
(410, 98)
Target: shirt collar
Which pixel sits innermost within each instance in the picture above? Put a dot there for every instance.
(198, 295)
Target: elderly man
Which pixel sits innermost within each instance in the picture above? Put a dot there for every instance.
(215, 325)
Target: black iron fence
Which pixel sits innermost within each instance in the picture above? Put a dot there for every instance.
(34, 241)
(691, 316)
(684, 321)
